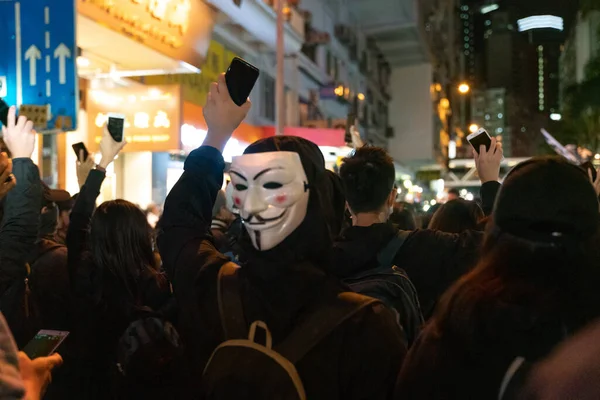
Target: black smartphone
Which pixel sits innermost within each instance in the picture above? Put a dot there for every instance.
(241, 76)
(350, 120)
(4, 112)
(78, 147)
(116, 125)
(481, 137)
(44, 343)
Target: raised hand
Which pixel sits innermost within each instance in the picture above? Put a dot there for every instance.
(7, 179)
(488, 161)
(222, 115)
(19, 135)
(357, 141)
(595, 183)
(37, 374)
(109, 148)
(84, 167)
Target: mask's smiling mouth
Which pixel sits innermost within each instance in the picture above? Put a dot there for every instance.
(257, 220)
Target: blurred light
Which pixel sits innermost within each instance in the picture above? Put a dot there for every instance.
(473, 128)
(463, 192)
(426, 208)
(408, 184)
(597, 156)
(445, 103)
(452, 150)
(398, 190)
(555, 117)
(154, 93)
(541, 22)
(438, 87)
(464, 88)
(417, 189)
(191, 136)
(83, 62)
(339, 91)
(489, 8)
(469, 196)
(361, 97)
(433, 202)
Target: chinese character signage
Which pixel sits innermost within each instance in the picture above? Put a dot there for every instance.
(180, 29)
(152, 116)
(195, 86)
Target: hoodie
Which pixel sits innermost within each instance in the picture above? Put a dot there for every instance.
(360, 359)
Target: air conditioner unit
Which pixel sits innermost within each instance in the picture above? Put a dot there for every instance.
(343, 33)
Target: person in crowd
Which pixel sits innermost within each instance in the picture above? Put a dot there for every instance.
(153, 215)
(20, 183)
(222, 219)
(535, 285)
(112, 276)
(453, 194)
(49, 276)
(292, 207)
(432, 260)
(457, 216)
(403, 218)
(64, 217)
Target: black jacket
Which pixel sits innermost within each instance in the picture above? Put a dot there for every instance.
(359, 360)
(18, 234)
(433, 260)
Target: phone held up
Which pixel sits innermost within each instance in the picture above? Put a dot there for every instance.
(78, 148)
(241, 76)
(44, 343)
(116, 126)
(479, 138)
(350, 121)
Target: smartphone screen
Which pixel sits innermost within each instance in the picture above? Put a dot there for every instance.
(240, 77)
(78, 147)
(480, 138)
(116, 125)
(349, 123)
(44, 343)
(4, 112)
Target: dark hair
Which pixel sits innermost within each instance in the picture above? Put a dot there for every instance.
(454, 191)
(518, 281)
(121, 246)
(368, 178)
(404, 219)
(457, 216)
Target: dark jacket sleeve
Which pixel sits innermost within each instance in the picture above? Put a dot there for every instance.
(188, 254)
(488, 193)
(435, 260)
(80, 266)
(18, 234)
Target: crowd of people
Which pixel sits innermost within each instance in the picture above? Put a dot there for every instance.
(296, 282)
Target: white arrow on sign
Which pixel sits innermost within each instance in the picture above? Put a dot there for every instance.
(62, 52)
(33, 54)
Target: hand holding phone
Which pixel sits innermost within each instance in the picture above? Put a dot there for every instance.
(44, 343)
(241, 76)
(480, 138)
(78, 148)
(4, 112)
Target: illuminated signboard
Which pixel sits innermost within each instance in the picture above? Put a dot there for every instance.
(152, 116)
(163, 25)
(541, 22)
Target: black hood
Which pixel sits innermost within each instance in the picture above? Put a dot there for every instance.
(312, 241)
(357, 248)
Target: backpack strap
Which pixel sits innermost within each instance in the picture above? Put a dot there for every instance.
(230, 303)
(321, 322)
(386, 257)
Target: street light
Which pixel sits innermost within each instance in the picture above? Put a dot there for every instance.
(473, 128)
(464, 88)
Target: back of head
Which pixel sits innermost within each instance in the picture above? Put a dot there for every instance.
(404, 219)
(368, 178)
(121, 246)
(457, 216)
(540, 253)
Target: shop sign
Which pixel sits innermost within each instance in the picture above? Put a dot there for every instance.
(314, 37)
(152, 116)
(195, 86)
(180, 29)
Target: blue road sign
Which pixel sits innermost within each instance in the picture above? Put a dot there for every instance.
(38, 53)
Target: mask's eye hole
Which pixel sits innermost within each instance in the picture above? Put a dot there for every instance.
(240, 187)
(272, 185)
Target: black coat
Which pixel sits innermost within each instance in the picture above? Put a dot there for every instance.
(359, 360)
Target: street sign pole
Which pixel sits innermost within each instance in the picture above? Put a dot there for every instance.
(279, 82)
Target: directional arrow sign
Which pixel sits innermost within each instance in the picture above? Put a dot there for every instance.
(33, 54)
(62, 52)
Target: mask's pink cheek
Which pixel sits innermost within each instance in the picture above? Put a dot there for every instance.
(281, 199)
(237, 201)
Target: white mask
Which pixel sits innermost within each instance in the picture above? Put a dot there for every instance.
(271, 192)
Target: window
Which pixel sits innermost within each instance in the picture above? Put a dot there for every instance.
(268, 98)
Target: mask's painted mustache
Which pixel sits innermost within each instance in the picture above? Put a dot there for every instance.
(260, 220)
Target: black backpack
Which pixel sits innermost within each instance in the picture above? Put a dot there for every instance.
(391, 285)
(243, 369)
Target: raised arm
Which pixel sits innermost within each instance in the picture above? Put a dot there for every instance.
(81, 215)
(188, 209)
